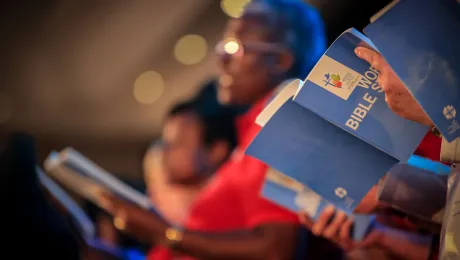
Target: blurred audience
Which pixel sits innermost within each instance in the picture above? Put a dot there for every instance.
(276, 40)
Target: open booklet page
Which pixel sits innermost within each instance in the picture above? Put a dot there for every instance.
(72, 166)
(73, 181)
(338, 166)
(343, 89)
(334, 132)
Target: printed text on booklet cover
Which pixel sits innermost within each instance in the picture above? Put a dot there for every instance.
(368, 81)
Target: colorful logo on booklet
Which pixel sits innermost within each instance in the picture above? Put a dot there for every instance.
(335, 77)
(332, 80)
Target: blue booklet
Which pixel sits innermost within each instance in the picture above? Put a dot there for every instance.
(88, 179)
(420, 40)
(334, 131)
(294, 196)
(428, 165)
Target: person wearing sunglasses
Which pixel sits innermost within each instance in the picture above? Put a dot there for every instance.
(273, 41)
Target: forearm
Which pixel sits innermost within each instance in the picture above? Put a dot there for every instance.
(406, 245)
(267, 242)
(249, 245)
(275, 241)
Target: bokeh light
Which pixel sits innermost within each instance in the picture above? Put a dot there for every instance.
(231, 47)
(190, 49)
(233, 8)
(148, 87)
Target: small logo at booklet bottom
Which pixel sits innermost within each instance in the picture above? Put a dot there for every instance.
(449, 112)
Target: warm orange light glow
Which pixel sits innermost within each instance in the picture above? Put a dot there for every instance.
(231, 47)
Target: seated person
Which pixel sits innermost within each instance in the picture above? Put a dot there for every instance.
(193, 147)
(277, 40)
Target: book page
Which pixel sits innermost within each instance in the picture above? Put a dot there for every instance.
(428, 68)
(383, 11)
(283, 96)
(335, 164)
(344, 90)
(296, 196)
(73, 181)
(82, 165)
(284, 180)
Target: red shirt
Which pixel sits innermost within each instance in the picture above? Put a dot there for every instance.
(430, 147)
(232, 201)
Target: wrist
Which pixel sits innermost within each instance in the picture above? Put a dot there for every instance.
(159, 234)
(172, 237)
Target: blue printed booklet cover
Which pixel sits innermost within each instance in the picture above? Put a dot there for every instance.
(420, 40)
(297, 197)
(334, 131)
(88, 179)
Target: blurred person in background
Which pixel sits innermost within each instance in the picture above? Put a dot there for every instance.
(273, 41)
(194, 145)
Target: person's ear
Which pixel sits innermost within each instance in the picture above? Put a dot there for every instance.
(218, 152)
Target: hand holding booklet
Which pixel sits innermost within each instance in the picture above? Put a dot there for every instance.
(294, 196)
(419, 40)
(334, 131)
(89, 180)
